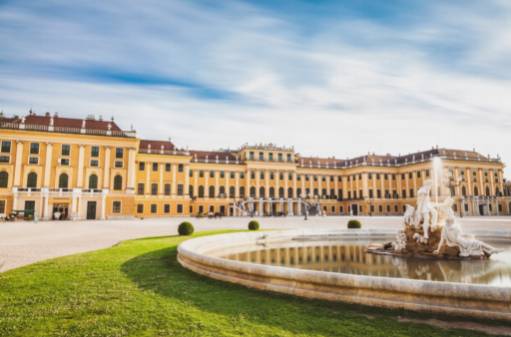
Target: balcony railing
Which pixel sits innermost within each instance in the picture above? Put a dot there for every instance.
(65, 129)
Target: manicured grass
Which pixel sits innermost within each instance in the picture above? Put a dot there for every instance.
(138, 289)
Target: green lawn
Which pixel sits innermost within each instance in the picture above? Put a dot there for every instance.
(137, 288)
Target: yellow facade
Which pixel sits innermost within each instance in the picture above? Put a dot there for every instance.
(94, 170)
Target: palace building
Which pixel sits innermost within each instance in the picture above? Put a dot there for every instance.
(66, 168)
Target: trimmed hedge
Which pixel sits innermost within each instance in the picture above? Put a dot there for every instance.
(354, 224)
(253, 225)
(185, 228)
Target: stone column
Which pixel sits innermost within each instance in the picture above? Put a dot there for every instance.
(196, 183)
(103, 204)
(81, 159)
(206, 183)
(174, 180)
(130, 188)
(217, 183)
(258, 182)
(106, 170)
(147, 187)
(46, 207)
(47, 165)
(267, 184)
(187, 180)
(160, 182)
(237, 187)
(17, 165)
(365, 188)
(295, 185)
(303, 187)
(286, 184)
(289, 207)
(247, 184)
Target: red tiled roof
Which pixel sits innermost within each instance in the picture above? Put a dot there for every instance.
(156, 145)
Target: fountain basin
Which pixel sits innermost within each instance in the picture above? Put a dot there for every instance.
(208, 256)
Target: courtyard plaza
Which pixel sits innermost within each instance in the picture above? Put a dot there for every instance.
(27, 242)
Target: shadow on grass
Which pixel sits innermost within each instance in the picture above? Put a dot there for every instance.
(159, 272)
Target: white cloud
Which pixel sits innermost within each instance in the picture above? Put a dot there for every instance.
(320, 92)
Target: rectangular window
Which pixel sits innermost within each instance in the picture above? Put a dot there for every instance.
(179, 208)
(140, 208)
(6, 146)
(2, 206)
(64, 161)
(201, 174)
(211, 174)
(167, 189)
(251, 156)
(242, 175)
(222, 174)
(116, 207)
(180, 189)
(155, 167)
(141, 166)
(66, 149)
(94, 151)
(180, 168)
(154, 208)
(34, 148)
(167, 167)
(231, 175)
(166, 208)
(118, 163)
(119, 153)
(4, 159)
(140, 188)
(33, 160)
(154, 189)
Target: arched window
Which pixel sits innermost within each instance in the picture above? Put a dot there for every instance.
(118, 182)
(232, 192)
(487, 191)
(290, 193)
(222, 190)
(261, 192)
(190, 191)
(281, 192)
(464, 191)
(272, 192)
(63, 180)
(211, 191)
(4, 179)
(299, 192)
(497, 192)
(201, 191)
(476, 191)
(242, 191)
(252, 191)
(93, 182)
(32, 180)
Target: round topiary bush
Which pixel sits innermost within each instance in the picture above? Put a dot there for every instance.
(185, 228)
(354, 224)
(253, 225)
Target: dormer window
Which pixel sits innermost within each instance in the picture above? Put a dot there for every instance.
(271, 156)
(261, 155)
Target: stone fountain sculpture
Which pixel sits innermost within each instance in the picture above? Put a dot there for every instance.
(432, 230)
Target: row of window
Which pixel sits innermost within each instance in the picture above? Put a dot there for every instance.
(63, 181)
(154, 208)
(279, 157)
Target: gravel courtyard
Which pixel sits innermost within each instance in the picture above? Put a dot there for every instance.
(23, 243)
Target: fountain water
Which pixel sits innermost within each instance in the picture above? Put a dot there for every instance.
(438, 174)
(431, 229)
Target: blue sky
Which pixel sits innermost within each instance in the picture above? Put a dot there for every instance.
(332, 78)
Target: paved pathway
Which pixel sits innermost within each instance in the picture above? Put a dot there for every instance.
(23, 243)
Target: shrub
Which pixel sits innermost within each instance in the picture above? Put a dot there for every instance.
(354, 224)
(253, 225)
(185, 228)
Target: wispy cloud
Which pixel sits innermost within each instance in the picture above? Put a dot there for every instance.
(329, 78)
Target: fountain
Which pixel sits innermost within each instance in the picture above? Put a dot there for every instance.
(432, 265)
(432, 230)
